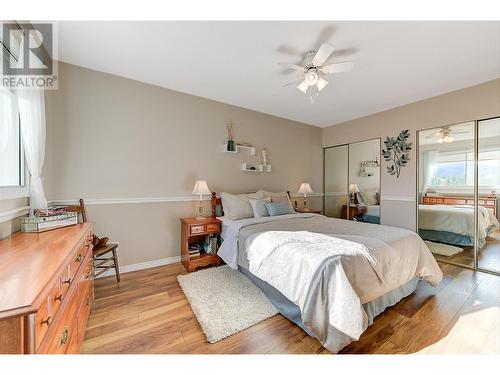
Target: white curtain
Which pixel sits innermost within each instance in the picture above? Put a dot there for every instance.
(429, 161)
(31, 105)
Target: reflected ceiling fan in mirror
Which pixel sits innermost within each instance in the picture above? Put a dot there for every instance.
(445, 134)
(312, 70)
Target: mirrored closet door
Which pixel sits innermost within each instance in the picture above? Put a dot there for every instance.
(352, 181)
(458, 181)
(336, 180)
(488, 180)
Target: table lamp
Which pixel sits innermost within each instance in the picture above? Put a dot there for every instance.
(353, 190)
(305, 189)
(201, 188)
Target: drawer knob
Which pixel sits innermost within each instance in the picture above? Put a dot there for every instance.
(58, 298)
(67, 281)
(78, 258)
(64, 337)
(47, 321)
(87, 275)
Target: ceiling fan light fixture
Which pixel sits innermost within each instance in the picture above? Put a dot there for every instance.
(311, 78)
(303, 87)
(448, 139)
(322, 83)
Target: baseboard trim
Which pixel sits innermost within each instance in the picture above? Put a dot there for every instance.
(142, 266)
(13, 214)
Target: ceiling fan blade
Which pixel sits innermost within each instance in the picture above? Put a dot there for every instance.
(323, 53)
(338, 67)
(460, 131)
(324, 36)
(288, 50)
(303, 87)
(296, 80)
(291, 66)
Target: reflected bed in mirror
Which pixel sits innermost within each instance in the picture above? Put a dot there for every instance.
(446, 187)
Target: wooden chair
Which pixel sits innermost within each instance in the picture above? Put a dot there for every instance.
(104, 252)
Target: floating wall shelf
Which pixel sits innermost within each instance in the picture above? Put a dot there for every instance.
(245, 167)
(239, 148)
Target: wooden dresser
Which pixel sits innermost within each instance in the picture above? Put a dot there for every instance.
(46, 290)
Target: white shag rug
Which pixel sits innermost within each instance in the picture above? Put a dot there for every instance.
(443, 249)
(224, 301)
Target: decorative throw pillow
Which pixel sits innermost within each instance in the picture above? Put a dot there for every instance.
(370, 196)
(277, 197)
(238, 206)
(279, 208)
(360, 198)
(259, 206)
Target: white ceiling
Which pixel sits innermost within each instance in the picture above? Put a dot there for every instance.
(237, 62)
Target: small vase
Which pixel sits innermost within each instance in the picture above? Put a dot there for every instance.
(230, 145)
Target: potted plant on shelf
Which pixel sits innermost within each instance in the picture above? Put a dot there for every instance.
(230, 136)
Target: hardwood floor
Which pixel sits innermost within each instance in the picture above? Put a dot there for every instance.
(148, 313)
(488, 255)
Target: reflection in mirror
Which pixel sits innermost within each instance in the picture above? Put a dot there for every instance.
(446, 219)
(488, 176)
(336, 180)
(364, 182)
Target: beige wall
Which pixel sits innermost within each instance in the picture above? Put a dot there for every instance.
(398, 207)
(114, 138)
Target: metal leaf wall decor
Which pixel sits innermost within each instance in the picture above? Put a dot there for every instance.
(397, 152)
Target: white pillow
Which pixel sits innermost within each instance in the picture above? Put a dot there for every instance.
(238, 206)
(277, 197)
(370, 196)
(259, 206)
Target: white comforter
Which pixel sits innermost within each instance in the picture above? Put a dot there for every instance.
(457, 219)
(329, 276)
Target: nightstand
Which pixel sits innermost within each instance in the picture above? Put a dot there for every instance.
(307, 210)
(355, 212)
(194, 231)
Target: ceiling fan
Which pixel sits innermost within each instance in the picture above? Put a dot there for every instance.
(444, 135)
(312, 71)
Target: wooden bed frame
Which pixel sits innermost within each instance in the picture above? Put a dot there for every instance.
(217, 201)
(489, 203)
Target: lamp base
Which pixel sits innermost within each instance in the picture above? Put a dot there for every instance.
(200, 217)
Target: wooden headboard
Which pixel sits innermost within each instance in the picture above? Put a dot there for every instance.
(488, 203)
(217, 201)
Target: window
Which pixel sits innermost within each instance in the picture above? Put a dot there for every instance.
(11, 151)
(457, 169)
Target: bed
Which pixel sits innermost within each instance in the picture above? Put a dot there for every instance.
(454, 224)
(372, 214)
(331, 277)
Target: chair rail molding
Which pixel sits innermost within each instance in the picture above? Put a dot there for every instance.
(14, 213)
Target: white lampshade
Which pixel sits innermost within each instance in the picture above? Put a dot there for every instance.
(201, 188)
(305, 188)
(353, 188)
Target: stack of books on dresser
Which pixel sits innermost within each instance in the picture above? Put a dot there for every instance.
(47, 219)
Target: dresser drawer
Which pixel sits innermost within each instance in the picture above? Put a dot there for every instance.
(213, 228)
(63, 329)
(85, 282)
(43, 320)
(77, 261)
(195, 229)
(83, 314)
